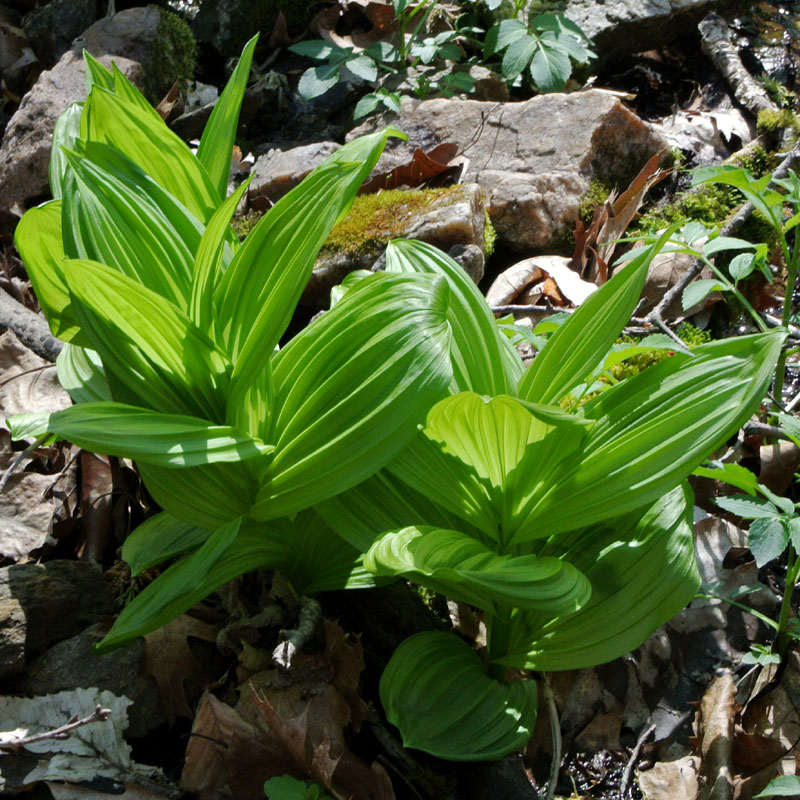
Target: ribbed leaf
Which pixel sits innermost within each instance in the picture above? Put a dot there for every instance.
(67, 129)
(125, 89)
(96, 74)
(481, 361)
(580, 344)
(642, 571)
(351, 388)
(654, 428)
(147, 345)
(487, 460)
(152, 146)
(118, 216)
(462, 568)
(383, 503)
(206, 496)
(179, 588)
(216, 143)
(38, 239)
(159, 538)
(81, 374)
(213, 254)
(261, 287)
(435, 690)
(166, 440)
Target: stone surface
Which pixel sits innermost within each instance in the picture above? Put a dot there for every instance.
(71, 664)
(279, 171)
(620, 27)
(125, 38)
(534, 160)
(456, 220)
(52, 27)
(41, 604)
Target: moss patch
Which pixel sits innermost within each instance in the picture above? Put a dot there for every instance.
(173, 56)
(374, 219)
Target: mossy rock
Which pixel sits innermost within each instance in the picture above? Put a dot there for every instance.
(173, 56)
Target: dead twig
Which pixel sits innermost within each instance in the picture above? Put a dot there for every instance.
(62, 732)
(625, 781)
(29, 327)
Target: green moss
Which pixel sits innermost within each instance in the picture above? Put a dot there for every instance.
(594, 196)
(243, 224)
(173, 56)
(489, 234)
(374, 219)
(770, 121)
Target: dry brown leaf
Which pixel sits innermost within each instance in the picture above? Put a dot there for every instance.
(717, 713)
(169, 101)
(96, 501)
(779, 462)
(228, 757)
(670, 780)
(423, 167)
(169, 659)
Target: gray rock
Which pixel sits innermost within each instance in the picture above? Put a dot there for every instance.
(455, 219)
(620, 27)
(71, 664)
(52, 27)
(41, 604)
(534, 160)
(277, 172)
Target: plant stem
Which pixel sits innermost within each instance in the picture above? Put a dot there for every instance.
(792, 264)
(783, 638)
(762, 326)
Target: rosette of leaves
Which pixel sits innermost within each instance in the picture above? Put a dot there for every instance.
(571, 532)
(173, 329)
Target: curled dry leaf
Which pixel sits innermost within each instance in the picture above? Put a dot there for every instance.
(380, 16)
(715, 734)
(440, 163)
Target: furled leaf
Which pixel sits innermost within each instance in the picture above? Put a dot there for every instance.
(462, 568)
(435, 690)
(642, 571)
(216, 143)
(81, 373)
(352, 386)
(67, 129)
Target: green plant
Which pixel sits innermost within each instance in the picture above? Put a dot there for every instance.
(372, 101)
(289, 788)
(771, 204)
(172, 329)
(570, 531)
(543, 50)
(783, 786)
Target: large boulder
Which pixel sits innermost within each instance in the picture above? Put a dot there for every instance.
(133, 39)
(52, 27)
(534, 160)
(620, 27)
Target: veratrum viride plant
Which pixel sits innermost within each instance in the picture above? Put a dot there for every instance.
(401, 420)
(172, 331)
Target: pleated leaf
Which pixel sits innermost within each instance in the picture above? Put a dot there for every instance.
(118, 216)
(484, 459)
(65, 132)
(216, 143)
(481, 361)
(651, 430)
(147, 345)
(179, 588)
(642, 571)
(159, 538)
(582, 342)
(351, 388)
(435, 690)
(261, 287)
(205, 496)
(462, 568)
(114, 120)
(166, 440)
(81, 374)
(38, 240)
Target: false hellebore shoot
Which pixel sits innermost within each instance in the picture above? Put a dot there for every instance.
(396, 436)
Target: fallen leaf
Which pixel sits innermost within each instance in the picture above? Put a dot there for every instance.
(439, 162)
(715, 729)
(670, 780)
(170, 660)
(96, 750)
